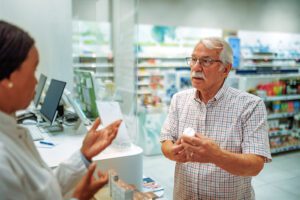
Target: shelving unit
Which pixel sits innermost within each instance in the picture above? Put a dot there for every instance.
(101, 65)
(285, 149)
(156, 66)
(284, 133)
(281, 115)
(92, 49)
(271, 57)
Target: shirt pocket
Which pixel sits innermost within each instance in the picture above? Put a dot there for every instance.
(227, 133)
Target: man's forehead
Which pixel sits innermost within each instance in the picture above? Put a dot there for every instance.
(201, 49)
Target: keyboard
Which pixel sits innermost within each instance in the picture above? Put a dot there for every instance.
(35, 132)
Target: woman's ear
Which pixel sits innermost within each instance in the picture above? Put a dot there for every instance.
(6, 83)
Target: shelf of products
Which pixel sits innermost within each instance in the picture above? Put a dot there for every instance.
(269, 49)
(92, 65)
(281, 95)
(284, 140)
(260, 59)
(285, 148)
(92, 48)
(102, 66)
(281, 115)
(152, 74)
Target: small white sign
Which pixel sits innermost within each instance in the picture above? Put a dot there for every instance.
(110, 111)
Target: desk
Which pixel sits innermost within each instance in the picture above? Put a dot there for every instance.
(128, 162)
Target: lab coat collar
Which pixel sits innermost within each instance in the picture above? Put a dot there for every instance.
(9, 126)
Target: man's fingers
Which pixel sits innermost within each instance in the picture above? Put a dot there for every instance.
(200, 136)
(189, 148)
(177, 148)
(196, 141)
(178, 141)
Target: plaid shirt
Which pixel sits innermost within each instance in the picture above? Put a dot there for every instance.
(236, 121)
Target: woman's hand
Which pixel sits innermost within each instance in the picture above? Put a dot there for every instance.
(89, 185)
(97, 140)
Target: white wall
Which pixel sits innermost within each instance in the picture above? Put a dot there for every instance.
(49, 22)
(91, 10)
(264, 15)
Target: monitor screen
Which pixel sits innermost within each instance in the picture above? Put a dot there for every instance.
(52, 99)
(68, 98)
(39, 90)
(85, 92)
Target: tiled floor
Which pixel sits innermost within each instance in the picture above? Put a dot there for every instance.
(279, 180)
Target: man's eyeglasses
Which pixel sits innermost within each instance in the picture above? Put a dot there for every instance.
(204, 62)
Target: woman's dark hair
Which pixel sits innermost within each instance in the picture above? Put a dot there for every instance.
(14, 47)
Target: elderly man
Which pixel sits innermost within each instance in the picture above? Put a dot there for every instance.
(231, 141)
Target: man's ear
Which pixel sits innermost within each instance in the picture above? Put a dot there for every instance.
(227, 68)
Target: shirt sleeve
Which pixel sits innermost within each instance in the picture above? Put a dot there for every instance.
(70, 172)
(255, 131)
(85, 160)
(169, 129)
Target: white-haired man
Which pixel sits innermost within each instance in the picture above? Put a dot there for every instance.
(231, 142)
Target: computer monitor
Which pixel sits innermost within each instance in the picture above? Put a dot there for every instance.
(69, 99)
(49, 108)
(39, 90)
(85, 92)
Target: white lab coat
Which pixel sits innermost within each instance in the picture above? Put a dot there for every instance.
(23, 173)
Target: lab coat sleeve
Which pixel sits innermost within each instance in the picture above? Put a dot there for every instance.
(10, 185)
(70, 172)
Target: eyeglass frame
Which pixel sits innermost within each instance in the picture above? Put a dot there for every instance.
(189, 61)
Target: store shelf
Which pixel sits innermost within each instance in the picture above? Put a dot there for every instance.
(143, 83)
(103, 75)
(281, 115)
(259, 76)
(149, 74)
(280, 133)
(142, 92)
(93, 65)
(91, 55)
(163, 65)
(272, 65)
(284, 149)
(173, 57)
(270, 58)
(282, 98)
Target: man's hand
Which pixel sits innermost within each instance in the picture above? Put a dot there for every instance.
(204, 150)
(89, 185)
(174, 151)
(97, 140)
(200, 148)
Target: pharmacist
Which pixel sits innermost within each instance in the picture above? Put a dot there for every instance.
(23, 173)
(230, 144)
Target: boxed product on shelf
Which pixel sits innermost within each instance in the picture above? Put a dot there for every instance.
(150, 185)
(283, 141)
